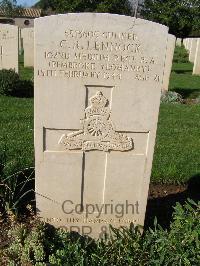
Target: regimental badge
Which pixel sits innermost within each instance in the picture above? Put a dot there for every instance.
(98, 130)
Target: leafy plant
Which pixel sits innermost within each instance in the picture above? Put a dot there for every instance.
(171, 97)
(11, 84)
(180, 55)
(181, 18)
(180, 245)
(64, 6)
(9, 81)
(15, 189)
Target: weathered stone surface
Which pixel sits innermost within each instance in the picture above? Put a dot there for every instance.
(193, 47)
(196, 67)
(168, 62)
(28, 45)
(98, 81)
(9, 47)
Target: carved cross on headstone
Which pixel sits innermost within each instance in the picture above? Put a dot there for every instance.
(97, 134)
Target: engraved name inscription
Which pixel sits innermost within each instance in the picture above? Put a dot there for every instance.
(98, 131)
(98, 55)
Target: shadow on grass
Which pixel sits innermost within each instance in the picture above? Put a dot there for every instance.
(162, 207)
(187, 93)
(182, 71)
(24, 89)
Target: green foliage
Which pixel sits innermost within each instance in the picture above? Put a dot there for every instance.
(180, 55)
(104, 6)
(10, 7)
(27, 246)
(171, 97)
(11, 84)
(180, 245)
(181, 16)
(15, 188)
(9, 81)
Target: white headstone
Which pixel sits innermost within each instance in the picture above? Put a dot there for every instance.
(28, 44)
(189, 44)
(178, 41)
(9, 47)
(196, 68)
(193, 50)
(98, 81)
(168, 62)
(20, 41)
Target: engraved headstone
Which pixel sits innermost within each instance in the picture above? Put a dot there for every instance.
(9, 47)
(98, 81)
(168, 62)
(28, 45)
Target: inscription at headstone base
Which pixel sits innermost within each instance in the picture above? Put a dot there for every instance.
(9, 47)
(98, 80)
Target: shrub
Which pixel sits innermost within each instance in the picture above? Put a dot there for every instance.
(9, 81)
(12, 85)
(16, 190)
(180, 55)
(171, 97)
(180, 245)
(24, 89)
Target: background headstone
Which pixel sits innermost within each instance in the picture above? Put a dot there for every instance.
(189, 44)
(9, 47)
(98, 81)
(28, 45)
(193, 50)
(196, 67)
(20, 41)
(178, 41)
(168, 62)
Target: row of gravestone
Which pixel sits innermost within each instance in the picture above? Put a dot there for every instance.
(192, 45)
(12, 41)
(98, 82)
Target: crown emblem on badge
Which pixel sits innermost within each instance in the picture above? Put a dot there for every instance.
(98, 130)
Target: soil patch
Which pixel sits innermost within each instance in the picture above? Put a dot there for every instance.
(163, 198)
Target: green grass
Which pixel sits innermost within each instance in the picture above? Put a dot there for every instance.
(182, 80)
(176, 157)
(16, 134)
(25, 72)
